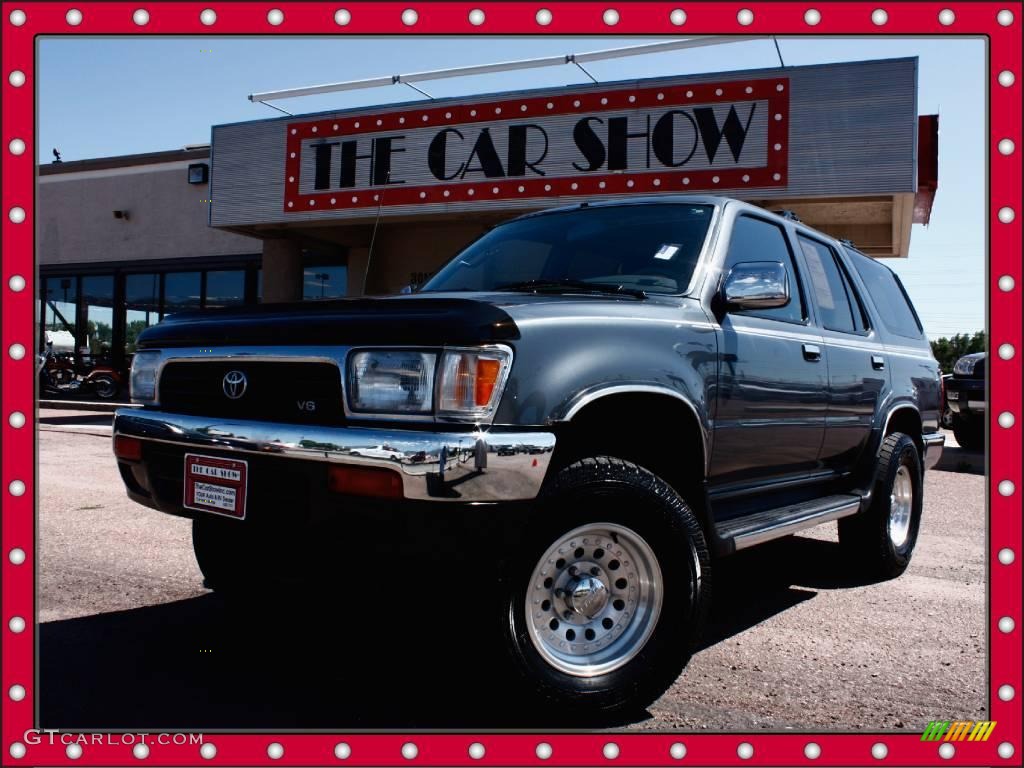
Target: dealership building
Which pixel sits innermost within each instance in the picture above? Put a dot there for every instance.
(370, 200)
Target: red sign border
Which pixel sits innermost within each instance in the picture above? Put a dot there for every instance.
(675, 95)
(999, 22)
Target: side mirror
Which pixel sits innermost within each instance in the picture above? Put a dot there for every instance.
(756, 285)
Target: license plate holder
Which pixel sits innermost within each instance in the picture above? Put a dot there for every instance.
(215, 485)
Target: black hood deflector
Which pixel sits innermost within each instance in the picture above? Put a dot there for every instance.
(391, 321)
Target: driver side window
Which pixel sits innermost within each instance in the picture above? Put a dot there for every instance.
(755, 239)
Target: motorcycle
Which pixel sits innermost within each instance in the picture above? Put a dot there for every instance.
(60, 376)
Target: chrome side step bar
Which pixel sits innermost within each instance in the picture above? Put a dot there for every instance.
(751, 530)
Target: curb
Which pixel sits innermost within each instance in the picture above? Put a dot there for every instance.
(83, 429)
(78, 405)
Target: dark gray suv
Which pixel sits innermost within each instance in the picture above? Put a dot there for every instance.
(632, 389)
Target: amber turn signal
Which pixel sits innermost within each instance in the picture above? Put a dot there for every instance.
(128, 448)
(486, 378)
(364, 481)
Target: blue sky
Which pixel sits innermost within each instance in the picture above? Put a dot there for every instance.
(113, 96)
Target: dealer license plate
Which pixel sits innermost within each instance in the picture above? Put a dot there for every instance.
(215, 485)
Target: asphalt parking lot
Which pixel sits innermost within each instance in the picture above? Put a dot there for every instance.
(129, 638)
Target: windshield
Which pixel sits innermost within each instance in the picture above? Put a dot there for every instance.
(651, 248)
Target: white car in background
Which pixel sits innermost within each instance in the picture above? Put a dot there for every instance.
(378, 452)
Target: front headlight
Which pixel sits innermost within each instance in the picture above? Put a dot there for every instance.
(142, 383)
(965, 366)
(402, 383)
(386, 381)
(471, 382)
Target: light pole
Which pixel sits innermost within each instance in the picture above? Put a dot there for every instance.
(323, 277)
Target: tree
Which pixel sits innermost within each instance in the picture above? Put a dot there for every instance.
(131, 333)
(948, 350)
(100, 331)
(98, 334)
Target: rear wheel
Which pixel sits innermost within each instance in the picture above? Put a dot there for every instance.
(608, 596)
(105, 386)
(880, 542)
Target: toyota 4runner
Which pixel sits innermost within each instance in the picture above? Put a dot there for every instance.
(642, 386)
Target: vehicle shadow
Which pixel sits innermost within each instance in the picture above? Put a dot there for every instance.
(413, 655)
(204, 664)
(756, 584)
(957, 459)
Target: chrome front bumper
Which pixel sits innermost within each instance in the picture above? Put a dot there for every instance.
(442, 466)
(933, 444)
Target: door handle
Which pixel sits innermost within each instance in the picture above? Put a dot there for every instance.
(812, 352)
(878, 362)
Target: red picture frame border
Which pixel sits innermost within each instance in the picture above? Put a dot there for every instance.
(770, 749)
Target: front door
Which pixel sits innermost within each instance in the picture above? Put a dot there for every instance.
(772, 393)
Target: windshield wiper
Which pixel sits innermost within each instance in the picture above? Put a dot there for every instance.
(571, 286)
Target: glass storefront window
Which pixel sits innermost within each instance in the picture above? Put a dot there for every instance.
(321, 282)
(225, 288)
(182, 291)
(79, 315)
(142, 306)
(60, 319)
(98, 314)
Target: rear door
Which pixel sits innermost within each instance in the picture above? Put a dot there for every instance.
(858, 371)
(772, 375)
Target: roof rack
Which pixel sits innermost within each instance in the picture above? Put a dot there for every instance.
(787, 215)
(848, 242)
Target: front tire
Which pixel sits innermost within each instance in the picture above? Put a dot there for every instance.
(609, 596)
(880, 542)
(224, 559)
(969, 433)
(239, 558)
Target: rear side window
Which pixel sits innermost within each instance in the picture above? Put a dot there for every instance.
(759, 240)
(890, 298)
(836, 299)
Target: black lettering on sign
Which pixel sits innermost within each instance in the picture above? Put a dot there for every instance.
(734, 132)
(383, 149)
(379, 170)
(618, 142)
(517, 162)
(607, 143)
(485, 152)
(322, 164)
(437, 155)
(349, 158)
(590, 144)
(663, 139)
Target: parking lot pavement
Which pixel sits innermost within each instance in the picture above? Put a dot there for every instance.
(130, 639)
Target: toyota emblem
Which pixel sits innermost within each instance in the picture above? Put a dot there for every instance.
(234, 384)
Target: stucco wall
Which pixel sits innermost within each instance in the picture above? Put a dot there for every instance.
(167, 217)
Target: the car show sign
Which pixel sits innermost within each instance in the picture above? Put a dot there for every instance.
(707, 136)
(782, 132)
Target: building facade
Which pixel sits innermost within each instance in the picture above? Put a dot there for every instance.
(369, 201)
